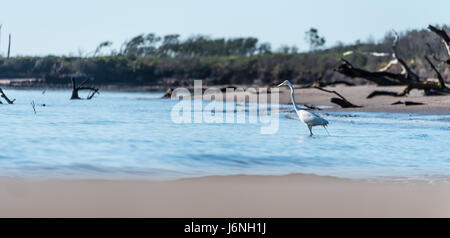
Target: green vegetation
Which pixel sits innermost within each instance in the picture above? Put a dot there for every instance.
(168, 61)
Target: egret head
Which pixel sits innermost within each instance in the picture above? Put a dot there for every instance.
(286, 82)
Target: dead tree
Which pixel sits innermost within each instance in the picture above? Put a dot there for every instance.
(445, 39)
(81, 86)
(3, 95)
(407, 77)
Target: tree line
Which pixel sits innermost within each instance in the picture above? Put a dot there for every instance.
(149, 59)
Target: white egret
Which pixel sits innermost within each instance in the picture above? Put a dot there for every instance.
(309, 118)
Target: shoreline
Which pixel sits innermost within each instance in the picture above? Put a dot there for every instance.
(433, 105)
(408, 110)
(295, 195)
(413, 179)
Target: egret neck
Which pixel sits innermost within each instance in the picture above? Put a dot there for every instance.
(293, 97)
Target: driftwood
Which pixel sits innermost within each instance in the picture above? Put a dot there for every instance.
(76, 88)
(341, 101)
(407, 77)
(3, 95)
(383, 93)
(407, 103)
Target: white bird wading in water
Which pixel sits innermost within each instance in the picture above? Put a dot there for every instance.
(309, 118)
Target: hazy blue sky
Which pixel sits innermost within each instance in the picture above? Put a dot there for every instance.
(42, 27)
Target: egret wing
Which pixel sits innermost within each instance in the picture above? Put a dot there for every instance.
(311, 118)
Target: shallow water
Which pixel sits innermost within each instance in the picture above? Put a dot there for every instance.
(131, 135)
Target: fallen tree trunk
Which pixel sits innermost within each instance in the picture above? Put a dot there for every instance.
(407, 77)
(379, 78)
(387, 78)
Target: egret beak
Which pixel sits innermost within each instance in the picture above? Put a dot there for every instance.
(281, 84)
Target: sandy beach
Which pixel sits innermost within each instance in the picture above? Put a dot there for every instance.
(357, 95)
(296, 195)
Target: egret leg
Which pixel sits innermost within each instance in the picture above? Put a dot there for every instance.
(326, 130)
(310, 130)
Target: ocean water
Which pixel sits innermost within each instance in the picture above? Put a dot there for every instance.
(132, 135)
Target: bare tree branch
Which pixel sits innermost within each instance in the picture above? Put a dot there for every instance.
(34, 106)
(389, 65)
(83, 82)
(3, 95)
(443, 35)
(440, 79)
(406, 70)
(341, 101)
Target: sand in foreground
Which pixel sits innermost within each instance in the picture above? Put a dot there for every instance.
(230, 196)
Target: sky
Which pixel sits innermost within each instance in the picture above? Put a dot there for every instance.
(43, 27)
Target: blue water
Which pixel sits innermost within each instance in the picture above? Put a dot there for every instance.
(131, 135)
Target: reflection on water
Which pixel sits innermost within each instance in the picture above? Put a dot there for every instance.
(132, 135)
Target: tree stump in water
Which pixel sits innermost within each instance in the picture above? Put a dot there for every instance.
(76, 88)
(168, 93)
